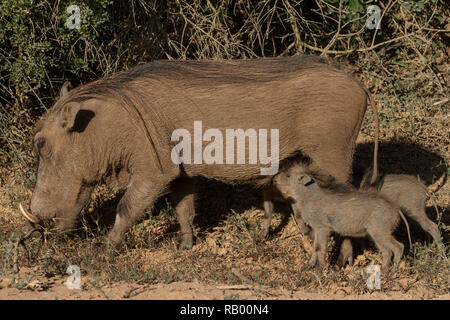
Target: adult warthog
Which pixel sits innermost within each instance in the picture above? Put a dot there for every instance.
(120, 130)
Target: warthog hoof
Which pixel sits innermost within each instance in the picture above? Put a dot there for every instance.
(107, 248)
(263, 235)
(186, 243)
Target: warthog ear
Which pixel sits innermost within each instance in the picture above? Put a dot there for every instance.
(65, 89)
(68, 115)
(304, 179)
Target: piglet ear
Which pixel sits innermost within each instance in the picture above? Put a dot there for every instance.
(304, 179)
(68, 115)
(65, 89)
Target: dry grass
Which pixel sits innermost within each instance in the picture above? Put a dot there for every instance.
(226, 251)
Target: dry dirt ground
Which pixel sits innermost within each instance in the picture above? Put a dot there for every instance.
(227, 261)
(230, 273)
(56, 289)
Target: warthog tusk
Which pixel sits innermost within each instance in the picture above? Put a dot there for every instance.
(27, 215)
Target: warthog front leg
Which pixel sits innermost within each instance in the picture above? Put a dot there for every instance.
(302, 226)
(268, 210)
(318, 258)
(140, 195)
(268, 195)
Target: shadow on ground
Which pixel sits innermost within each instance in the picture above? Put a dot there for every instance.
(216, 200)
(399, 157)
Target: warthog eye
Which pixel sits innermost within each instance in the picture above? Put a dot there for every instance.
(288, 175)
(40, 143)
